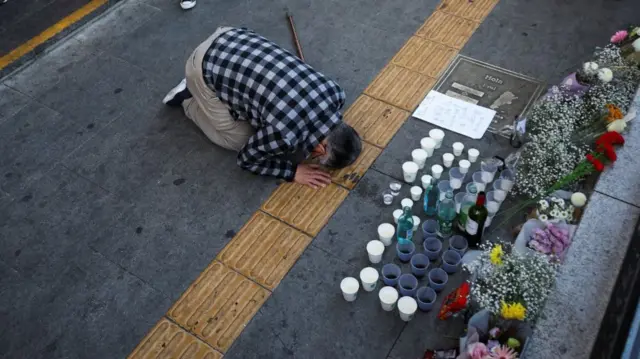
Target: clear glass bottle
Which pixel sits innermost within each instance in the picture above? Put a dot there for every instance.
(431, 196)
(404, 230)
(446, 215)
(468, 201)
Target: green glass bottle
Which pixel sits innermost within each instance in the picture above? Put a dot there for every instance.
(404, 231)
(446, 215)
(468, 201)
(476, 218)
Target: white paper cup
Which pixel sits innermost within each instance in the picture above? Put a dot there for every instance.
(369, 278)
(407, 307)
(457, 148)
(416, 192)
(349, 287)
(426, 181)
(473, 155)
(375, 249)
(436, 171)
(416, 223)
(386, 232)
(464, 166)
(428, 144)
(409, 171)
(406, 202)
(419, 156)
(396, 215)
(438, 136)
(447, 159)
(388, 298)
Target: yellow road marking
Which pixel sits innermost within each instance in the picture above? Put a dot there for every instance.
(56, 28)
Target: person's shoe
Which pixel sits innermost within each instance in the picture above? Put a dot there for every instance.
(177, 95)
(187, 4)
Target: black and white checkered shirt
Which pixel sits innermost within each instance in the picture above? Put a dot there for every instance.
(291, 106)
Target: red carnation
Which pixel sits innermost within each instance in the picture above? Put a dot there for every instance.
(595, 162)
(610, 138)
(609, 152)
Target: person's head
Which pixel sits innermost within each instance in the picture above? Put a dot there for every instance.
(340, 148)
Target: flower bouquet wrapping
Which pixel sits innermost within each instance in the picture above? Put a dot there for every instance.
(509, 283)
(551, 239)
(490, 336)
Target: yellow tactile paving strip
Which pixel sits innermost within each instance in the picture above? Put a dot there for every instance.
(426, 57)
(218, 305)
(375, 121)
(475, 10)
(400, 87)
(350, 176)
(264, 250)
(447, 29)
(214, 310)
(303, 207)
(167, 340)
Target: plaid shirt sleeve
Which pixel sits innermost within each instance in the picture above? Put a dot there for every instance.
(260, 155)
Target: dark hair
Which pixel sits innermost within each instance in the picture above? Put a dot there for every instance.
(343, 146)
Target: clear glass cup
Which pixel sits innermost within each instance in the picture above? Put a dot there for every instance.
(395, 188)
(387, 197)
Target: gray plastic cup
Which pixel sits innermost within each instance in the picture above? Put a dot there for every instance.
(390, 274)
(459, 244)
(456, 178)
(426, 297)
(478, 180)
(432, 248)
(430, 228)
(443, 187)
(408, 285)
(451, 261)
(503, 184)
(420, 264)
(508, 175)
(405, 250)
(489, 170)
(438, 279)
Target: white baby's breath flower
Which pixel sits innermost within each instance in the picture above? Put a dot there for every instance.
(590, 68)
(605, 75)
(617, 126)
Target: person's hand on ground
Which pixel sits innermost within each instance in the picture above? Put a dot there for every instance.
(312, 176)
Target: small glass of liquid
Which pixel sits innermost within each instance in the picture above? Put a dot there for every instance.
(387, 197)
(395, 188)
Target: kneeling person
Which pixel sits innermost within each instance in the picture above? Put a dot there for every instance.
(249, 95)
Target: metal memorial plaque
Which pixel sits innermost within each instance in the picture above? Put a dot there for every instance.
(508, 93)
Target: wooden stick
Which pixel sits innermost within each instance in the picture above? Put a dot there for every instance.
(296, 41)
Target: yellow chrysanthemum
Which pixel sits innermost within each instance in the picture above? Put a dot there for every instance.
(496, 255)
(515, 311)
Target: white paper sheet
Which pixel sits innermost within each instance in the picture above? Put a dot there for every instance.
(455, 115)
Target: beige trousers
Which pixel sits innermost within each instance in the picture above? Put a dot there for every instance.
(206, 110)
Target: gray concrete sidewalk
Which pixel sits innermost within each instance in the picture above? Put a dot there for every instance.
(112, 204)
